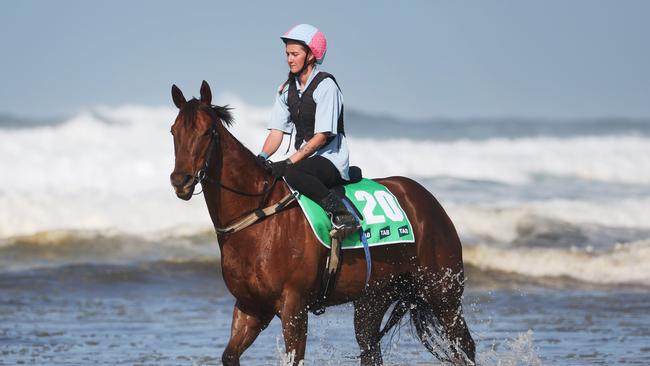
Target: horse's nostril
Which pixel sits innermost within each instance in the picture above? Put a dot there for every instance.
(179, 180)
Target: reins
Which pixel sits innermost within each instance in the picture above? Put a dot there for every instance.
(249, 218)
(201, 176)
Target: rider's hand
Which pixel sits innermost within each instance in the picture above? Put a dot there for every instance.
(279, 168)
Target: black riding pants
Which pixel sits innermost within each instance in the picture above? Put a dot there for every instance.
(313, 177)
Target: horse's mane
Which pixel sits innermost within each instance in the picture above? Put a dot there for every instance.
(222, 112)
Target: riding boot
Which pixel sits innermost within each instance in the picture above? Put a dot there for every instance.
(343, 222)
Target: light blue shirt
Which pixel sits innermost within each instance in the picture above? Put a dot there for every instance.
(329, 105)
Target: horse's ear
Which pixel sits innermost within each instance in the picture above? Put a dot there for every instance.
(206, 94)
(177, 96)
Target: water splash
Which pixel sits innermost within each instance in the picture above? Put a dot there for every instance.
(520, 351)
(285, 359)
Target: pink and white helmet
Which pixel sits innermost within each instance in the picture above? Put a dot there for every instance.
(311, 37)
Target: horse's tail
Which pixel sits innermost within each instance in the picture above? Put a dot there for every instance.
(426, 324)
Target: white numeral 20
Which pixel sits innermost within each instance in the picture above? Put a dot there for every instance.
(387, 203)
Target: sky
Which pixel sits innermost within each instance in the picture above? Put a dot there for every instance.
(410, 59)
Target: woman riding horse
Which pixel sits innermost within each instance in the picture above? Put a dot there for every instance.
(311, 101)
(272, 265)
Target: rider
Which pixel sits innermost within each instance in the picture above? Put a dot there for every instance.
(311, 102)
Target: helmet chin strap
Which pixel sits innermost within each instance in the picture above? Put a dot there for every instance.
(304, 67)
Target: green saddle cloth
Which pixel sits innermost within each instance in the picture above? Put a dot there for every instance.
(383, 222)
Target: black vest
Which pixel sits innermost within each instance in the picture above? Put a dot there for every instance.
(303, 109)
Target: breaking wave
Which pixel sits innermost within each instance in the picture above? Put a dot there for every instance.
(94, 188)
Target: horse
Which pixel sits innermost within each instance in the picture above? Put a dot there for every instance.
(274, 267)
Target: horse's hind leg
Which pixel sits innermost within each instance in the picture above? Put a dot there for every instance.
(369, 312)
(445, 299)
(244, 329)
(453, 322)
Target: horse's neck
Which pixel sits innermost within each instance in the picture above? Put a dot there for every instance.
(233, 166)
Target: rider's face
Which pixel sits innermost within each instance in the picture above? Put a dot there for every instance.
(296, 56)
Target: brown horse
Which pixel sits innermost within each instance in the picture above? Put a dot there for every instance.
(274, 267)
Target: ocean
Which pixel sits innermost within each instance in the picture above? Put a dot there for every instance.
(101, 264)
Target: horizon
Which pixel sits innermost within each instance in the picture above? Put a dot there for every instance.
(62, 117)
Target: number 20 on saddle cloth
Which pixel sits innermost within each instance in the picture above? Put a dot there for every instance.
(383, 220)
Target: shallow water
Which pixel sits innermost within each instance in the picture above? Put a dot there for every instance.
(177, 314)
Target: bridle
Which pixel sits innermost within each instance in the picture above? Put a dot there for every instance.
(202, 177)
(201, 174)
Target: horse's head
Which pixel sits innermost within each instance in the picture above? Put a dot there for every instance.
(195, 132)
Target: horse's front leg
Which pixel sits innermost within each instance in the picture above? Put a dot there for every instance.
(294, 326)
(244, 329)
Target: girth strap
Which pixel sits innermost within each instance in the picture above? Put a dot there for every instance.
(257, 215)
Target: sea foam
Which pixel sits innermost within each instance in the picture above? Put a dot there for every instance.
(107, 169)
(627, 263)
